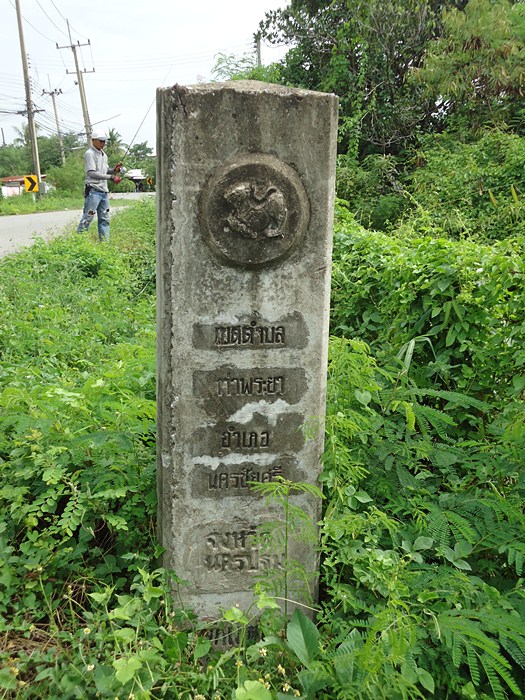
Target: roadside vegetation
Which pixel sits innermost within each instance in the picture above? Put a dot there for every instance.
(56, 200)
(65, 180)
(422, 539)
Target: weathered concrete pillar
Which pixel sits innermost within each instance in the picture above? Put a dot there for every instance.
(245, 204)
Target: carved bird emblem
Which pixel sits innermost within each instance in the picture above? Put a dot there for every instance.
(255, 211)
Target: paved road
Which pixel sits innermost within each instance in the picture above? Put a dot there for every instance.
(20, 230)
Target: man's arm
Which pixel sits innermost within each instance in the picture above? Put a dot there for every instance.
(93, 175)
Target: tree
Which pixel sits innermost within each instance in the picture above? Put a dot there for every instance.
(23, 137)
(138, 153)
(476, 70)
(232, 67)
(49, 152)
(14, 160)
(70, 176)
(363, 50)
(115, 147)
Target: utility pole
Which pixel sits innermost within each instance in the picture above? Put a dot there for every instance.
(53, 94)
(80, 81)
(29, 102)
(258, 50)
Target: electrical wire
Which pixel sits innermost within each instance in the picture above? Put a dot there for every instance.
(32, 25)
(65, 20)
(49, 18)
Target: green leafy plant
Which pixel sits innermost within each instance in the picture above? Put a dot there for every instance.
(285, 533)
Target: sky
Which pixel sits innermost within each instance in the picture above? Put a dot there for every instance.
(134, 48)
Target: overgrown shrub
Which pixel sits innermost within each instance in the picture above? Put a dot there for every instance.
(423, 529)
(373, 190)
(469, 187)
(454, 312)
(77, 398)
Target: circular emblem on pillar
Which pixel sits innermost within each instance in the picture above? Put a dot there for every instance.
(254, 210)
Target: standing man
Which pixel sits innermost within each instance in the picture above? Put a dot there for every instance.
(96, 193)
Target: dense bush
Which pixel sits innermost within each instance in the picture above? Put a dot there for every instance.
(77, 411)
(372, 189)
(454, 311)
(423, 529)
(423, 535)
(466, 186)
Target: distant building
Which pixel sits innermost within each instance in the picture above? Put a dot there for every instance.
(136, 175)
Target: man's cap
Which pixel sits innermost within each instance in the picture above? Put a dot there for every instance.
(99, 135)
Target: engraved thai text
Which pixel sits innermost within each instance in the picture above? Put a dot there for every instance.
(223, 480)
(250, 386)
(249, 335)
(249, 439)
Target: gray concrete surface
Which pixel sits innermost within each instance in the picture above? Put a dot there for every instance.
(246, 190)
(20, 230)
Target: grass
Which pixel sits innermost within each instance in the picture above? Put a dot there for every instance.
(53, 201)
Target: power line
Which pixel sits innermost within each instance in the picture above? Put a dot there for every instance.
(49, 18)
(32, 25)
(65, 20)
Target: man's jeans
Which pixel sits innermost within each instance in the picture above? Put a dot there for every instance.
(96, 203)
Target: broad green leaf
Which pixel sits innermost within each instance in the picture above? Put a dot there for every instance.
(451, 336)
(103, 597)
(235, 614)
(152, 592)
(409, 671)
(462, 564)
(125, 634)
(252, 690)
(201, 648)
(426, 679)
(126, 668)
(363, 497)
(52, 475)
(364, 397)
(174, 646)
(462, 548)
(303, 637)
(266, 601)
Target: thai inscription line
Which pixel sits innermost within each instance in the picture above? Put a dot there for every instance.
(249, 335)
(232, 551)
(256, 386)
(249, 439)
(241, 480)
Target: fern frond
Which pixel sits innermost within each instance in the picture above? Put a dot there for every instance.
(406, 479)
(500, 624)
(515, 555)
(422, 423)
(457, 650)
(513, 650)
(502, 669)
(461, 527)
(454, 397)
(473, 664)
(438, 527)
(437, 419)
(471, 632)
(502, 508)
(495, 684)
